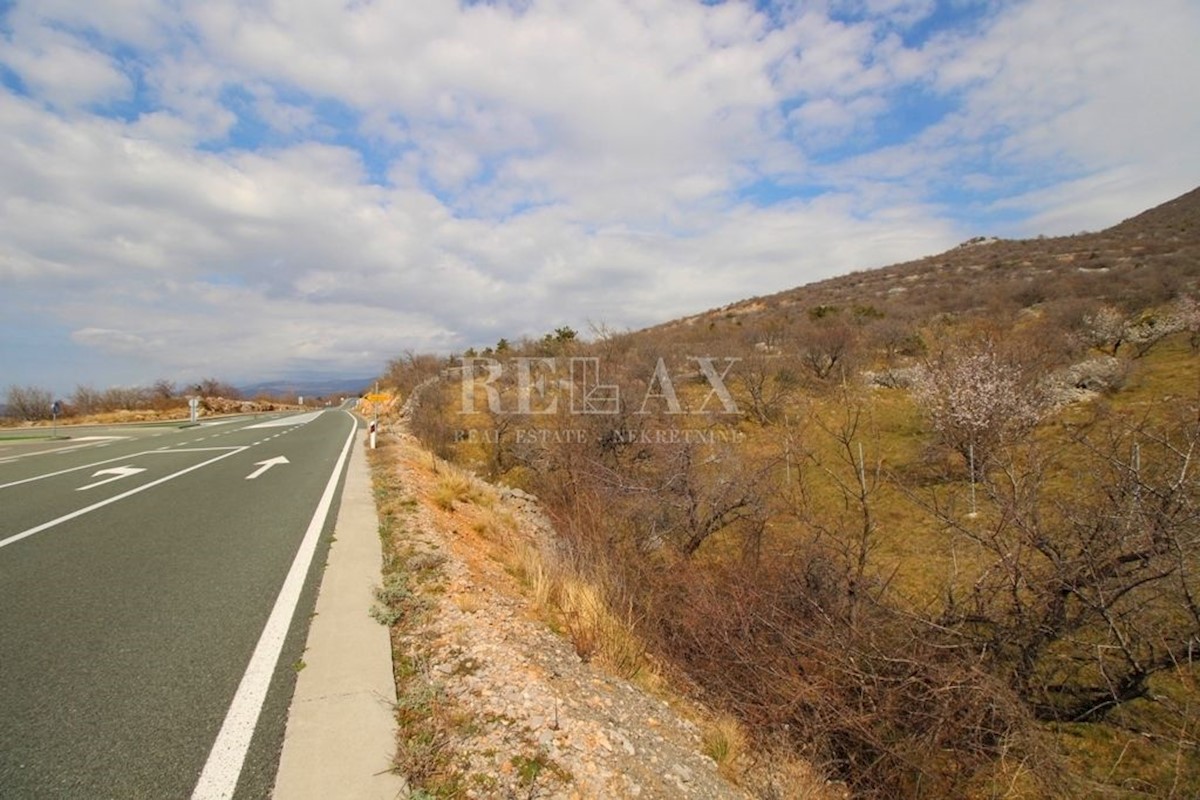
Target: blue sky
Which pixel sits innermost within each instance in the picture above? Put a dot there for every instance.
(252, 189)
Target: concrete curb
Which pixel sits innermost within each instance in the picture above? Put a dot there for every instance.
(341, 729)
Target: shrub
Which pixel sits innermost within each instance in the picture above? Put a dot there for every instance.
(28, 402)
(978, 401)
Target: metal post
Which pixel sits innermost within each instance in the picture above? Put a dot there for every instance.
(971, 452)
(787, 423)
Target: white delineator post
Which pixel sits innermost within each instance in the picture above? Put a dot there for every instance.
(374, 423)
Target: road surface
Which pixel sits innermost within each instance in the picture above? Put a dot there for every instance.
(148, 577)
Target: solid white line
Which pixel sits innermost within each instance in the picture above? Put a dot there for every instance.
(219, 778)
(89, 509)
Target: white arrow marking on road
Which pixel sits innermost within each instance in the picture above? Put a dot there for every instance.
(263, 466)
(116, 472)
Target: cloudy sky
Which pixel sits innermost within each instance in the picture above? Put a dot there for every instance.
(248, 190)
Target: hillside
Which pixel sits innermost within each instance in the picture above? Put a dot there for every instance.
(932, 529)
(1135, 263)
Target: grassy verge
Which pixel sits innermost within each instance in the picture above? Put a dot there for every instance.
(433, 729)
(426, 718)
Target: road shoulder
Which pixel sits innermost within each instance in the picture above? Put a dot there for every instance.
(341, 728)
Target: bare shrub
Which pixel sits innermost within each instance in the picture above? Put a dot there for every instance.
(768, 383)
(213, 387)
(896, 338)
(826, 347)
(1085, 591)
(884, 704)
(406, 372)
(28, 403)
(434, 420)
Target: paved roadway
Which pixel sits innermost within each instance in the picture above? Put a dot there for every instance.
(139, 569)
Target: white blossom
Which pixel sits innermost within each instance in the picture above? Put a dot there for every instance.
(977, 401)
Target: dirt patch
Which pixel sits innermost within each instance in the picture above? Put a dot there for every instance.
(523, 715)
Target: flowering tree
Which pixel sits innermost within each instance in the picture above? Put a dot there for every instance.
(978, 401)
(1107, 329)
(1187, 318)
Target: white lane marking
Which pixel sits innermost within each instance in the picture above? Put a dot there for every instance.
(116, 472)
(89, 509)
(219, 778)
(280, 422)
(263, 466)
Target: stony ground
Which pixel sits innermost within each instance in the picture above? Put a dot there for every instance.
(523, 715)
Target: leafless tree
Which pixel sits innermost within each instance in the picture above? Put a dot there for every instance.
(212, 387)
(768, 383)
(28, 402)
(834, 491)
(163, 390)
(1089, 588)
(825, 347)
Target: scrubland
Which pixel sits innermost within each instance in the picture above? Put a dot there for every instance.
(932, 528)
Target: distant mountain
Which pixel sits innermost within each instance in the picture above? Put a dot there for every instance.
(309, 387)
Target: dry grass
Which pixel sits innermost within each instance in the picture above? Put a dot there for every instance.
(725, 741)
(457, 488)
(468, 602)
(578, 605)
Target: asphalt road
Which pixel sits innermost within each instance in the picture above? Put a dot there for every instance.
(138, 570)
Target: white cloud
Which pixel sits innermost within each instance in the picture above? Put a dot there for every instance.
(62, 69)
(313, 182)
